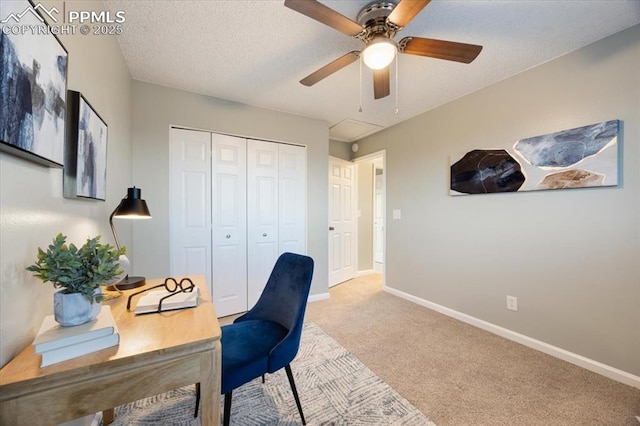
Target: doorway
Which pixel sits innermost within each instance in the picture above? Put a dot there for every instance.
(371, 212)
(378, 216)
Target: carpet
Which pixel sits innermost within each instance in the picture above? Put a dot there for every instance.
(335, 388)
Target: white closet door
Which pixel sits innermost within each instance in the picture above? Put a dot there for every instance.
(262, 215)
(229, 174)
(292, 229)
(235, 206)
(189, 207)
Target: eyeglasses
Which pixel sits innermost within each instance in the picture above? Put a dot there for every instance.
(171, 285)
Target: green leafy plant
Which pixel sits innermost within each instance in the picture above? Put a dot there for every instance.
(78, 270)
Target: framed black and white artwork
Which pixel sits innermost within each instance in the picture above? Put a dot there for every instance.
(33, 85)
(85, 167)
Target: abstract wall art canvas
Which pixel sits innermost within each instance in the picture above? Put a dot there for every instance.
(582, 157)
(486, 170)
(33, 87)
(85, 171)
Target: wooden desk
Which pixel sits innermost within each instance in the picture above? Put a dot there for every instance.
(157, 353)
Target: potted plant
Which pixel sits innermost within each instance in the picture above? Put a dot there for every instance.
(79, 273)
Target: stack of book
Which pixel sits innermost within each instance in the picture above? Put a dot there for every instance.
(57, 343)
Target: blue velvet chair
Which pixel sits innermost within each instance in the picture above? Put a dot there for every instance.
(267, 337)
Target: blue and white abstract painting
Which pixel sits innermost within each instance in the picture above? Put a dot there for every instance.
(582, 157)
(33, 80)
(91, 176)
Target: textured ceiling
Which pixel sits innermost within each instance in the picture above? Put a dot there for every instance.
(255, 52)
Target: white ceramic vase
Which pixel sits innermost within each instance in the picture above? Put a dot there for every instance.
(125, 265)
(74, 308)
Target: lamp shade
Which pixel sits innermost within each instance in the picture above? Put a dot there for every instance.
(379, 53)
(132, 207)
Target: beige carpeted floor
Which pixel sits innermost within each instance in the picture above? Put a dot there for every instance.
(457, 374)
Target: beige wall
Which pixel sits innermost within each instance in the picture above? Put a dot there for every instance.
(572, 257)
(340, 150)
(33, 209)
(157, 108)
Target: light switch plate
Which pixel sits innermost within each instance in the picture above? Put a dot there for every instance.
(397, 214)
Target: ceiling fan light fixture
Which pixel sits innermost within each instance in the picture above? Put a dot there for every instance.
(379, 53)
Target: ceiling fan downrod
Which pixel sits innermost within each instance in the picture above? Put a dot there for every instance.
(374, 19)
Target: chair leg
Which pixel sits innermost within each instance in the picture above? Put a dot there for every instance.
(195, 415)
(295, 392)
(263, 378)
(227, 409)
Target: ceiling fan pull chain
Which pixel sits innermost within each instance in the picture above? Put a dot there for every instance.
(360, 109)
(397, 95)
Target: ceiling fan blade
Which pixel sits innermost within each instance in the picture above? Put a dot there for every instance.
(330, 68)
(441, 49)
(381, 83)
(318, 11)
(406, 10)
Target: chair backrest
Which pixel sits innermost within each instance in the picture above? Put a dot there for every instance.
(284, 300)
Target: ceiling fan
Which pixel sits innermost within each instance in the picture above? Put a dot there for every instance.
(376, 25)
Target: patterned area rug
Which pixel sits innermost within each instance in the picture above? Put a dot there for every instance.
(335, 388)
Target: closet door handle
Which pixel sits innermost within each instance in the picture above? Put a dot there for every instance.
(331, 228)
(228, 236)
(264, 235)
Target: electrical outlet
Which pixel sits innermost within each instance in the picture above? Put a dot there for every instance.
(512, 303)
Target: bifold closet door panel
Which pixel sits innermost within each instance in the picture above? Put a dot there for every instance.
(189, 203)
(262, 215)
(229, 206)
(236, 205)
(292, 224)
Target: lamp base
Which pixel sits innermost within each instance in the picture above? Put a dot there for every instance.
(128, 283)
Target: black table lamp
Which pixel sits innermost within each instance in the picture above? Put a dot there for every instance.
(132, 207)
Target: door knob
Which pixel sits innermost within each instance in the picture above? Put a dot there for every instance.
(264, 235)
(228, 236)
(331, 228)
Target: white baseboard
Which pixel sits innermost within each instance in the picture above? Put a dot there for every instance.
(579, 360)
(365, 272)
(318, 297)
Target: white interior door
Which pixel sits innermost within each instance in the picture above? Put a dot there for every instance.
(342, 221)
(262, 219)
(190, 200)
(378, 219)
(292, 189)
(229, 206)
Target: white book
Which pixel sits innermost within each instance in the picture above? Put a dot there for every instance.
(150, 301)
(53, 335)
(64, 353)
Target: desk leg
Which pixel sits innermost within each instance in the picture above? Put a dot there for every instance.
(210, 386)
(108, 416)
